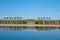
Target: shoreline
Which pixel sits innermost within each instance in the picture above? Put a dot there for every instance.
(29, 25)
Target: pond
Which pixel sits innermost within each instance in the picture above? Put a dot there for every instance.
(29, 33)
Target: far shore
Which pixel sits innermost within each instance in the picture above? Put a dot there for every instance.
(29, 25)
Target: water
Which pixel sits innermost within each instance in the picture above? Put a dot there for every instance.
(29, 33)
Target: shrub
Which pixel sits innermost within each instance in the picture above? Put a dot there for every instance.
(24, 22)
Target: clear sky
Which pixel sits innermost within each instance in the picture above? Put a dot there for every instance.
(30, 8)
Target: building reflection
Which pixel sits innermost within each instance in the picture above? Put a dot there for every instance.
(20, 28)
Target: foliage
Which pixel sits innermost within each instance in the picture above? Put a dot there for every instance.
(39, 22)
(13, 22)
(29, 21)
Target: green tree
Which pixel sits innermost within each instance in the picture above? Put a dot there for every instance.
(38, 18)
(15, 18)
(7, 18)
(44, 18)
(41, 18)
(20, 18)
(10, 18)
(49, 18)
(4, 18)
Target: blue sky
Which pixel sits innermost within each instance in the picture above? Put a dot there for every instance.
(30, 8)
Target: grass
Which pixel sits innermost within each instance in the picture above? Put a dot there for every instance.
(29, 21)
(13, 22)
(47, 22)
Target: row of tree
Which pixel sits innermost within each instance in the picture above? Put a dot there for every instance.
(19, 18)
(44, 18)
(12, 18)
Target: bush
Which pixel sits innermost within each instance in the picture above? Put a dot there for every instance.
(24, 22)
(39, 22)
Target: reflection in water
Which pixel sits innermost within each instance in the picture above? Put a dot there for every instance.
(20, 28)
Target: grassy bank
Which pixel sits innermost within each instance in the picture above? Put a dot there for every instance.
(47, 22)
(13, 22)
(29, 21)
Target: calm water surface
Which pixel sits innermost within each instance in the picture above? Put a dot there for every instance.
(29, 33)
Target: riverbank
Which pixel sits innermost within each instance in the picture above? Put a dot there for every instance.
(45, 22)
(29, 25)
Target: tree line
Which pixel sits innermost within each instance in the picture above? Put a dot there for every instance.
(19, 18)
(44, 18)
(12, 18)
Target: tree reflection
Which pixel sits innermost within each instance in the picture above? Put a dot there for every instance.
(20, 28)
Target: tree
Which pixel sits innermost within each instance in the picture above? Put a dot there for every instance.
(17, 18)
(7, 18)
(4, 17)
(38, 18)
(20, 18)
(49, 18)
(10, 18)
(41, 18)
(44, 18)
